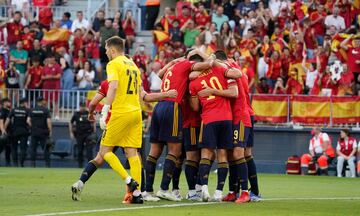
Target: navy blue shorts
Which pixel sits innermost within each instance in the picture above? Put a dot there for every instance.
(191, 138)
(241, 135)
(97, 148)
(216, 135)
(166, 123)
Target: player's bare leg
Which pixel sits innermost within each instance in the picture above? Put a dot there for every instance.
(254, 190)
(223, 168)
(174, 152)
(191, 173)
(150, 168)
(207, 155)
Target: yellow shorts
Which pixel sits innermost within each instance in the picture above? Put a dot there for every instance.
(124, 130)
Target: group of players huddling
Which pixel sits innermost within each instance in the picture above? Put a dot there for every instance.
(203, 114)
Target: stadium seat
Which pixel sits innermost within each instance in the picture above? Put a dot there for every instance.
(62, 148)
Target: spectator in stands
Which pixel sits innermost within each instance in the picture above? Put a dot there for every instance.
(129, 26)
(184, 16)
(210, 31)
(275, 67)
(353, 54)
(99, 21)
(346, 150)
(229, 8)
(85, 77)
(346, 82)
(92, 49)
(106, 32)
(246, 6)
(167, 19)
(20, 56)
(279, 87)
(190, 33)
(14, 30)
(66, 23)
(317, 22)
(27, 38)
(180, 7)
(51, 77)
(320, 151)
(219, 18)
(78, 42)
(152, 12)
(80, 22)
(45, 15)
(12, 80)
(154, 80)
(294, 84)
(335, 20)
(34, 74)
(201, 15)
(175, 33)
(311, 73)
(263, 87)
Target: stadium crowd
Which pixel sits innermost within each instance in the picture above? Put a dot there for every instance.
(285, 47)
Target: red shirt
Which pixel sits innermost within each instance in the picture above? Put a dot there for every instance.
(36, 73)
(129, 30)
(294, 87)
(45, 16)
(78, 60)
(179, 6)
(214, 108)
(245, 85)
(92, 50)
(239, 105)
(53, 70)
(202, 18)
(191, 118)
(353, 55)
(28, 41)
(103, 89)
(140, 60)
(346, 148)
(169, 21)
(78, 45)
(183, 19)
(346, 79)
(176, 77)
(41, 3)
(274, 70)
(310, 39)
(319, 26)
(14, 32)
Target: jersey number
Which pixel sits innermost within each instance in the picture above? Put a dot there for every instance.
(133, 83)
(166, 85)
(214, 83)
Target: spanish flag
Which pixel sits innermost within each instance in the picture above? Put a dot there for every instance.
(161, 37)
(301, 72)
(55, 36)
(310, 109)
(345, 110)
(335, 46)
(270, 108)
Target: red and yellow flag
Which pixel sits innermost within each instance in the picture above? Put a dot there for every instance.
(310, 110)
(335, 46)
(55, 36)
(161, 37)
(345, 110)
(270, 108)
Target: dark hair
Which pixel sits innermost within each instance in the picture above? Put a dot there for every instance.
(5, 100)
(187, 52)
(18, 12)
(346, 131)
(79, 12)
(222, 28)
(116, 42)
(67, 14)
(196, 58)
(221, 55)
(35, 58)
(159, 25)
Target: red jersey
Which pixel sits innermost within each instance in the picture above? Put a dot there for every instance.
(78, 45)
(310, 39)
(353, 55)
(92, 50)
(239, 105)
(202, 18)
(28, 41)
(191, 118)
(214, 108)
(245, 85)
(14, 32)
(103, 89)
(45, 16)
(294, 87)
(129, 30)
(176, 77)
(41, 3)
(319, 26)
(53, 70)
(140, 59)
(274, 70)
(183, 19)
(36, 73)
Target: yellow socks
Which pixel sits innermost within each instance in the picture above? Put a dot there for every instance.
(135, 169)
(115, 164)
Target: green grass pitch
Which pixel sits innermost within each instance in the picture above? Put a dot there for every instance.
(27, 191)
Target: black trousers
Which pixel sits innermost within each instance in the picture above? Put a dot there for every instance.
(35, 142)
(7, 148)
(151, 14)
(83, 143)
(22, 141)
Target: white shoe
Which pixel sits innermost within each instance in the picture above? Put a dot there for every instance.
(177, 194)
(149, 197)
(76, 190)
(167, 195)
(217, 196)
(194, 196)
(205, 196)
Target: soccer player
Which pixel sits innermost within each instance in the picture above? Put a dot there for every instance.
(166, 126)
(191, 132)
(216, 131)
(98, 161)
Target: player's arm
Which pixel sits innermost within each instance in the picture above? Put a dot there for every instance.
(92, 105)
(167, 66)
(231, 92)
(194, 74)
(195, 103)
(152, 97)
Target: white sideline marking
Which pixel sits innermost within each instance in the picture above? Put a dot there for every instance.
(186, 204)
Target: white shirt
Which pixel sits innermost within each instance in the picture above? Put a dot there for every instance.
(338, 22)
(274, 6)
(155, 82)
(247, 25)
(310, 78)
(83, 82)
(262, 67)
(79, 24)
(354, 145)
(317, 148)
(19, 4)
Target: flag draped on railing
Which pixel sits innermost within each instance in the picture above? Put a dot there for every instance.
(270, 108)
(310, 110)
